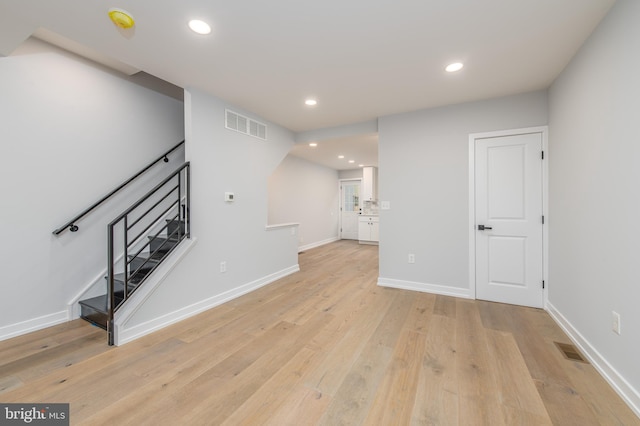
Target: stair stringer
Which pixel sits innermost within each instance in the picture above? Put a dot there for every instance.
(150, 285)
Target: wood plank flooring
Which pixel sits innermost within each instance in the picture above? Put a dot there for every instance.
(325, 346)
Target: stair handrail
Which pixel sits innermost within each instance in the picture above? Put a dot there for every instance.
(149, 194)
(71, 226)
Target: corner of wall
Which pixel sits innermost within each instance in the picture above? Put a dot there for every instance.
(627, 392)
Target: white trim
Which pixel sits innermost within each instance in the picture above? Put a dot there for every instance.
(544, 131)
(630, 395)
(318, 244)
(124, 335)
(280, 225)
(472, 215)
(35, 324)
(545, 212)
(444, 290)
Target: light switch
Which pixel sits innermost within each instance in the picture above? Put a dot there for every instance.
(228, 197)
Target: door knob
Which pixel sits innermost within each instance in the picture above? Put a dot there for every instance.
(482, 227)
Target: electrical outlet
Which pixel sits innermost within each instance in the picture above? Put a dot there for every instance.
(223, 266)
(616, 322)
(412, 258)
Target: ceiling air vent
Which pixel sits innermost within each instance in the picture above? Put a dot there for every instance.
(242, 124)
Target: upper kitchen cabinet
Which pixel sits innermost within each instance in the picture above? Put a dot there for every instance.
(369, 183)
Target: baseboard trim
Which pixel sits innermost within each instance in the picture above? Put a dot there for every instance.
(317, 244)
(463, 293)
(630, 395)
(125, 335)
(35, 324)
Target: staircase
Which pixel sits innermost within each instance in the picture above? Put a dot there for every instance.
(138, 240)
(139, 267)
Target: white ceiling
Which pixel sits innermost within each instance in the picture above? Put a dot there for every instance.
(360, 59)
(362, 149)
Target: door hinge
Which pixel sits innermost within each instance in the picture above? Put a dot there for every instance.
(543, 219)
(542, 283)
(543, 155)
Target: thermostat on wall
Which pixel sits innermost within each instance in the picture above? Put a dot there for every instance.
(228, 196)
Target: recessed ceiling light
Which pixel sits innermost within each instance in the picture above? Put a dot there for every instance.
(310, 102)
(341, 156)
(313, 144)
(352, 161)
(199, 27)
(456, 66)
(360, 165)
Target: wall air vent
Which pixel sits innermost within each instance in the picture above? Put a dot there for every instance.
(242, 124)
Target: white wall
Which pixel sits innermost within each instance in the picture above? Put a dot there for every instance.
(223, 160)
(305, 193)
(71, 132)
(350, 174)
(423, 172)
(594, 226)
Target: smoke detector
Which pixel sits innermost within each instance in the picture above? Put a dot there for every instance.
(121, 18)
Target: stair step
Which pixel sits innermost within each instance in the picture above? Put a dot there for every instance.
(144, 264)
(172, 226)
(133, 281)
(155, 256)
(95, 310)
(162, 245)
(118, 283)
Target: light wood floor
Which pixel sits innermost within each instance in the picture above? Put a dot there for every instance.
(323, 346)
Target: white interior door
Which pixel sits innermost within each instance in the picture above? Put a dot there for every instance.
(349, 209)
(508, 219)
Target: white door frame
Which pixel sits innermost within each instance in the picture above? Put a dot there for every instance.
(340, 181)
(544, 130)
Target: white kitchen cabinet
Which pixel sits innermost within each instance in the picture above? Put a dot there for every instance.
(375, 231)
(369, 183)
(369, 229)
